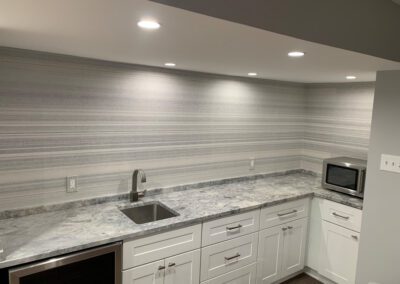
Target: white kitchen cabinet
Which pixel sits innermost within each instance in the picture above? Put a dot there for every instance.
(183, 268)
(160, 246)
(227, 256)
(269, 255)
(339, 252)
(230, 227)
(283, 213)
(244, 275)
(342, 215)
(179, 269)
(152, 273)
(281, 251)
(294, 247)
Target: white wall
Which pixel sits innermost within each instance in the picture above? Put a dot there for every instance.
(379, 254)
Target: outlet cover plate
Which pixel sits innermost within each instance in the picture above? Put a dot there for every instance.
(390, 163)
(72, 184)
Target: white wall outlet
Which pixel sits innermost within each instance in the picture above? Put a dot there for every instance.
(252, 165)
(72, 184)
(390, 163)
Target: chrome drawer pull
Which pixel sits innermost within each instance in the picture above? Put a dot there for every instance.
(171, 264)
(290, 227)
(288, 213)
(233, 228)
(284, 228)
(340, 216)
(232, 257)
(161, 267)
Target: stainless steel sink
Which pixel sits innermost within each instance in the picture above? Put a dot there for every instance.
(148, 213)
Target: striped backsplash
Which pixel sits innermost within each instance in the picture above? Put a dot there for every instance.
(338, 121)
(65, 116)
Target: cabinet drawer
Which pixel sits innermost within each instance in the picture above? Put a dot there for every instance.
(342, 215)
(230, 227)
(244, 275)
(227, 256)
(282, 213)
(148, 249)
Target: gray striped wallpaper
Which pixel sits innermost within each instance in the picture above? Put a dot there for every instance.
(63, 116)
(338, 120)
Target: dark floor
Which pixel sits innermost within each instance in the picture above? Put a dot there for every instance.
(302, 279)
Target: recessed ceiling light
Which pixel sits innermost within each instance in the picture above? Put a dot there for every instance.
(149, 25)
(351, 77)
(252, 74)
(170, 64)
(296, 54)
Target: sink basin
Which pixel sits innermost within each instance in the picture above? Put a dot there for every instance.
(148, 213)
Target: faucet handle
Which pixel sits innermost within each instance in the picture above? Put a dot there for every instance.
(142, 193)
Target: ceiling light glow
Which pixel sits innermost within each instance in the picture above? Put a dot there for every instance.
(351, 77)
(296, 54)
(252, 74)
(170, 64)
(149, 25)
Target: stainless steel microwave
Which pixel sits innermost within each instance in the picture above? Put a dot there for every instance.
(344, 174)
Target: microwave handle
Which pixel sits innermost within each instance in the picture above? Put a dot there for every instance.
(362, 180)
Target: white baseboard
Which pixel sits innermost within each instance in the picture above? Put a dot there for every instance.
(314, 274)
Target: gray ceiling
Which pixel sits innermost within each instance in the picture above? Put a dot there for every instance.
(367, 26)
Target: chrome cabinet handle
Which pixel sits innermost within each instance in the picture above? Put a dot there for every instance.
(290, 227)
(171, 264)
(161, 267)
(232, 257)
(234, 228)
(340, 216)
(354, 237)
(284, 229)
(288, 213)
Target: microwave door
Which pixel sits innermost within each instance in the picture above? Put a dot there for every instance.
(342, 177)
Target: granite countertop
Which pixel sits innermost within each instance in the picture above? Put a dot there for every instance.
(44, 235)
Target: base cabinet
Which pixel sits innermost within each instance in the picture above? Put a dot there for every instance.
(183, 268)
(334, 240)
(244, 275)
(339, 251)
(151, 273)
(294, 247)
(179, 269)
(281, 251)
(269, 255)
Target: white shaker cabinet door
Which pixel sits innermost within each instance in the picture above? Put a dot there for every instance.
(294, 246)
(339, 252)
(152, 273)
(183, 268)
(269, 255)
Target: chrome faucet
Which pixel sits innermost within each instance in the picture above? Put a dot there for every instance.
(136, 181)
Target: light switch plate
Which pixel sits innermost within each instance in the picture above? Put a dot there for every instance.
(72, 184)
(390, 163)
